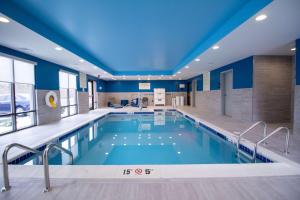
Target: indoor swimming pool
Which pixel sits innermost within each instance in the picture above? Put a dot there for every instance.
(145, 138)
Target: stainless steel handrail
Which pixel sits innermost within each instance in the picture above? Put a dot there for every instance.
(46, 163)
(6, 186)
(250, 128)
(287, 138)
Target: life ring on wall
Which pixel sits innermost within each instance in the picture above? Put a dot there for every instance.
(51, 99)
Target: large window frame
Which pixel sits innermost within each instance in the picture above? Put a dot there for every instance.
(14, 114)
(68, 90)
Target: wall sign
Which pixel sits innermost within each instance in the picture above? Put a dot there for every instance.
(144, 86)
(137, 171)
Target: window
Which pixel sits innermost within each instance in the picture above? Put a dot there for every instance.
(17, 95)
(68, 93)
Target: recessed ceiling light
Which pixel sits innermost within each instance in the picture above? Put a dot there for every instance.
(24, 49)
(4, 20)
(81, 60)
(215, 47)
(197, 59)
(293, 49)
(261, 17)
(58, 48)
(187, 67)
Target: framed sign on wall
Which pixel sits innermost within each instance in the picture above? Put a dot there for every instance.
(144, 86)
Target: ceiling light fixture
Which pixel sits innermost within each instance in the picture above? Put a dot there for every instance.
(81, 60)
(187, 67)
(58, 48)
(261, 17)
(215, 47)
(4, 20)
(179, 72)
(293, 49)
(197, 59)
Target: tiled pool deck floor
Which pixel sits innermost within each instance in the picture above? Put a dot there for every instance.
(256, 187)
(253, 188)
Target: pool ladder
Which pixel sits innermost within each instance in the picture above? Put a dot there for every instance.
(46, 162)
(263, 140)
(6, 186)
(44, 155)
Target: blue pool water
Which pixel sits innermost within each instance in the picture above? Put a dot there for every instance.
(129, 139)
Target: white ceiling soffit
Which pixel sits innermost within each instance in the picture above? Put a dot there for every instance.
(273, 36)
(20, 38)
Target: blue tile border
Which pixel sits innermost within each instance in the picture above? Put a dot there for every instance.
(258, 156)
(214, 131)
(180, 112)
(118, 113)
(139, 113)
(172, 110)
(190, 118)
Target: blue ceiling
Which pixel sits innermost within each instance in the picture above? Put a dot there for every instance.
(130, 37)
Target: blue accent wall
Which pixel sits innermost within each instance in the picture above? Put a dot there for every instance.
(101, 86)
(298, 62)
(200, 83)
(242, 74)
(133, 86)
(199, 80)
(46, 73)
